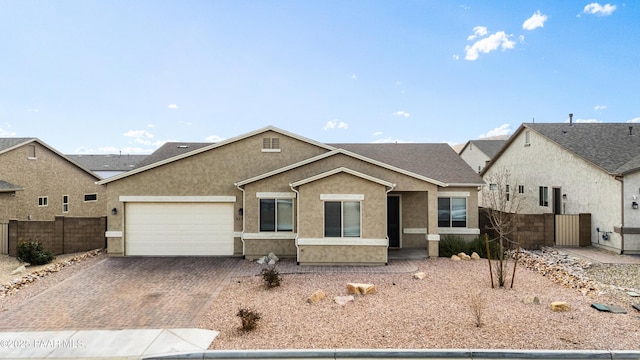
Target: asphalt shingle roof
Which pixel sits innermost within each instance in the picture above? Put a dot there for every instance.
(8, 187)
(171, 149)
(436, 161)
(615, 147)
(107, 162)
(489, 147)
(6, 143)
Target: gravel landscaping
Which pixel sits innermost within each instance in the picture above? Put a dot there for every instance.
(436, 312)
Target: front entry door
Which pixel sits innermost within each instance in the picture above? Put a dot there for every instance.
(393, 221)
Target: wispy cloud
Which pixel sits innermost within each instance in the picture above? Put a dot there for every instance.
(172, 106)
(456, 57)
(478, 31)
(33, 110)
(402, 114)
(354, 76)
(504, 129)
(7, 133)
(599, 10)
(389, 140)
(138, 134)
(490, 43)
(634, 120)
(584, 121)
(535, 21)
(599, 107)
(335, 124)
(377, 133)
(214, 138)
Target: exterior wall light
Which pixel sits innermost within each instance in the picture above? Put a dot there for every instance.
(240, 211)
(114, 211)
(634, 205)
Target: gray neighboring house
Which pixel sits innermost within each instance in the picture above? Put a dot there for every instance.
(478, 153)
(108, 165)
(567, 168)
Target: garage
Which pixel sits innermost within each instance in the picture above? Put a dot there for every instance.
(178, 228)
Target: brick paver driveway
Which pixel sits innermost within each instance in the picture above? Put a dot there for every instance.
(120, 293)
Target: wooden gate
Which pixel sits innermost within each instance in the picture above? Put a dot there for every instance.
(4, 239)
(567, 230)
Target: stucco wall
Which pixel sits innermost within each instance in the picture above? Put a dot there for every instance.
(588, 189)
(47, 175)
(474, 157)
(631, 229)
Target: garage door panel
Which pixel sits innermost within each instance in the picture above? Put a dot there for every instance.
(166, 229)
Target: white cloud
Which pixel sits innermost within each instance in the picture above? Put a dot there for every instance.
(172, 106)
(535, 21)
(599, 107)
(214, 138)
(488, 44)
(334, 124)
(402, 113)
(478, 31)
(456, 57)
(599, 10)
(34, 110)
(634, 120)
(389, 140)
(7, 133)
(377, 133)
(501, 130)
(151, 125)
(138, 134)
(354, 76)
(584, 121)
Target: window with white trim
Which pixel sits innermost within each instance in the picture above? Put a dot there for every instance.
(43, 201)
(31, 152)
(544, 196)
(452, 212)
(342, 219)
(65, 203)
(276, 215)
(520, 189)
(506, 190)
(270, 144)
(90, 197)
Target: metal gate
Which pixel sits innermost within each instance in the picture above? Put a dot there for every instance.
(4, 239)
(567, 230)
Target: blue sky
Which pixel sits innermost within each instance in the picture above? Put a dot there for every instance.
(126, 76)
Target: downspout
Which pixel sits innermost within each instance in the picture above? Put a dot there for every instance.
(297, 222)
(621, 179)
(386, 212)
(243, 217)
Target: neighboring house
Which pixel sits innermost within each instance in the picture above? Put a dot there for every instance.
(107, 165)
(38, 183)
(478, 153)
(275, 191)
(566, 168)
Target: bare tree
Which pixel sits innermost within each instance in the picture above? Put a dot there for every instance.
(502, 201)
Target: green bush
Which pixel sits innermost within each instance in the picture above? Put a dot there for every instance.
(271, 277)
(249, 318)
(32, 252)
(453, 245)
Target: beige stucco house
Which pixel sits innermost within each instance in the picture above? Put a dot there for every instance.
(573, 168)
(38, 183)
(274, 191)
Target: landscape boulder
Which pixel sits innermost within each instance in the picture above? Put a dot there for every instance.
(316, 296)
(559, 306)
(342, 300)
(419, 275)
(359, 288)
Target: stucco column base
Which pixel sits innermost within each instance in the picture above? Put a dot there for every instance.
(433, 245)
(115, 246)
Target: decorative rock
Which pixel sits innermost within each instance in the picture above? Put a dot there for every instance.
(475, 256)
(341, 300)
(363, 289)
(559, 306)
(20, 269)
(455, 258)
(261, 260)
(419, 275)
(464, 256)
(316, 296)
(272, 262)
(531, 300)
(273, 257)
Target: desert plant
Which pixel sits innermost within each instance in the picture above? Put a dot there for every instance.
(33, 253)
(271, 277)
(452, 245)
(249, 318)
(476, 305)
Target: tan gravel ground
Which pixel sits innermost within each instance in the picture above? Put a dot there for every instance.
(436, 312)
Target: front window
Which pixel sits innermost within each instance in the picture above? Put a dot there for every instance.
(91, 197)
(276, 215)
(342, 219)
(43, 201)
(65, 203)
(452, 212)
(544, 196)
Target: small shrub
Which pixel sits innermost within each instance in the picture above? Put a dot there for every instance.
(452, 245)
(249, 318)
(271, 277)
(476, 305)
(32, 252)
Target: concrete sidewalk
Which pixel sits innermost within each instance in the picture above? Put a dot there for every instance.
(103, 344)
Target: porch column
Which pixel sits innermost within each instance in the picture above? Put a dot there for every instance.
(433, 238)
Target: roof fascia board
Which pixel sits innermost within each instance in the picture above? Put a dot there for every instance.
(342, 170)
(504, 147)
(213, 146)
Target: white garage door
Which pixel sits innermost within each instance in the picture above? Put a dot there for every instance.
(199, 229)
